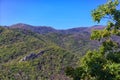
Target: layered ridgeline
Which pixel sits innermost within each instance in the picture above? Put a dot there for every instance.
(75, 40)
(41, 53)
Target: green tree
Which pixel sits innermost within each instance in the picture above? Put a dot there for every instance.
(102, 64)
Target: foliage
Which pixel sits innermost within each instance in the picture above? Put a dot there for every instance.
(77, 43)
(16, 44)
(50, 63)
(103, 64)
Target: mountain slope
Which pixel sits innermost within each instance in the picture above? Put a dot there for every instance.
(42, 53)
(76, 43)
(16, 44)
(76, 40)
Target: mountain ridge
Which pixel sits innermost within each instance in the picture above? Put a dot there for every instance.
(49, 29)
(43, 51)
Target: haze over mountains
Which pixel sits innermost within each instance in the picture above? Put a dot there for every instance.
(42, 53)
(48, 29)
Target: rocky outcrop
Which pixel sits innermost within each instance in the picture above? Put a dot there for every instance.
(33, 56)
(28, 57)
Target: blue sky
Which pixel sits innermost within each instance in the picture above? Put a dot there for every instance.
(60, 14)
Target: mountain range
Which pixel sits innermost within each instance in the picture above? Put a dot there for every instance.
(48, 29)
(41, 52)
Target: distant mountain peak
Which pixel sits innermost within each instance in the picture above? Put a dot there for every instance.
(20, 25)
(48, 29)
(37, 29)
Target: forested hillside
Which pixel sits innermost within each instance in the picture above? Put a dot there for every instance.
(76, 40)
(58, 52)
(26, 55)
(35, 53)
(44, 54)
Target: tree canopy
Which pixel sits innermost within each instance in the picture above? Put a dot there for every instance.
(104, 63)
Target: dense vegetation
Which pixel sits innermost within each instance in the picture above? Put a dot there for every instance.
(16, 44)
(76, 43)
(104, 63)
(43, 53)
(59, 51)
